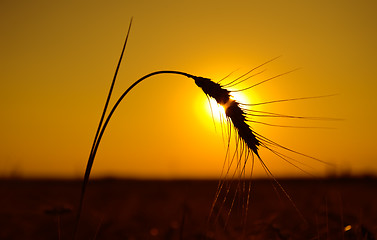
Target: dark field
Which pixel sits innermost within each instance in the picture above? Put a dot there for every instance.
(125, 209)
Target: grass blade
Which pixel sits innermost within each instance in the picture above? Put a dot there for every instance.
(91, 159)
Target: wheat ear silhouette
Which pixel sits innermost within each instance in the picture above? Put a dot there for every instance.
(248, 141)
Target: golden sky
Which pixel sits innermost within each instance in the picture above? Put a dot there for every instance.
(58, 58)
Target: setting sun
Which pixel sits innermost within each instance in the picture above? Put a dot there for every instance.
(240, 97)
(217, 111)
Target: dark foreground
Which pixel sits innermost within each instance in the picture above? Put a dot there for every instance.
(125, 209)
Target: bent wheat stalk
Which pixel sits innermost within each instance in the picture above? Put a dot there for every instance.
(210, 88)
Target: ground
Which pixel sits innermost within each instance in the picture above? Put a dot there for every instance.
(131, 209)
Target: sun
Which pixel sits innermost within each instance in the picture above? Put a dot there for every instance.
(217, 111)
(239, 97)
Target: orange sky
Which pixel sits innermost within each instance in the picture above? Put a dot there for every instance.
(57, 61)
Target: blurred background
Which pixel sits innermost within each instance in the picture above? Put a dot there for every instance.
(58, 58)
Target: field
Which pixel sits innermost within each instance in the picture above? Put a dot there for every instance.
(131, 209)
